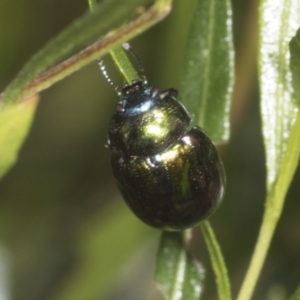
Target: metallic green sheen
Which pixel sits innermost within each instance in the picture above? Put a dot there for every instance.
(149, 132)
(176, 188)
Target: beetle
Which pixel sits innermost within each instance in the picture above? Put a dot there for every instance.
(170, 175)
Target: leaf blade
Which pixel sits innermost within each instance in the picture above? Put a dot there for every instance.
(15, 123)
(278, 21)
(177, 274)
(208, 69)
(281, 121)
(79, 40)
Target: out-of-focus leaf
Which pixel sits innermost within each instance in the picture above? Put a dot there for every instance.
(105, 245)
(207, 81)
(296, 295)
(14, 125)
(217, 260)
(178, 275)
(82, 34)
(279, 21)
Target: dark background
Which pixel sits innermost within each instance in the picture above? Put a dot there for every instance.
(62, 192)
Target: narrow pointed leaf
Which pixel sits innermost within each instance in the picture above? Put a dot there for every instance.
(274, 206)
(14, 126)
(178, 275)
(280, 118)
(207, 81)
(83, 41)
(279, 21)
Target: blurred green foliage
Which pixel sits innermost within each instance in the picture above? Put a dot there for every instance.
(61, 216)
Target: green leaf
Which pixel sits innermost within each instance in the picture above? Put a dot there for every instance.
(178, 275)
(119, 57)
(207, 81)
(280, 120)
(274, 206)
(84, 33)
(15, 122)
(217, 260)
(279, 22)
(296, 295)
(206, 91)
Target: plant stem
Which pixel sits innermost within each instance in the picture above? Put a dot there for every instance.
(217, 260)
(124, 65)
(119, 57)
(274, 206)
(259, 255)
(92, 4)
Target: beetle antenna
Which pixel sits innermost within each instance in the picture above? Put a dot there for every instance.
(105, 74)
(127, 47)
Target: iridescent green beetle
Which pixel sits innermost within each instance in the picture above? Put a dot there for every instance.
(170, 176)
